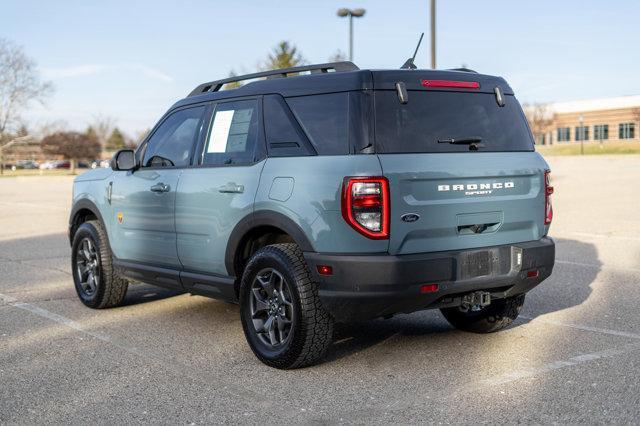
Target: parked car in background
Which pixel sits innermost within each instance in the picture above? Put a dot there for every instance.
(24, 164)
(56, 164)
(100, 164)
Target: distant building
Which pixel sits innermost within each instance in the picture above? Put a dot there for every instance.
(600, 120)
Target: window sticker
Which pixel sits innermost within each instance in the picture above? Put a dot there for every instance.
(220, 132)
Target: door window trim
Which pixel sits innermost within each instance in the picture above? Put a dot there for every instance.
(260, 153)
(141, 150)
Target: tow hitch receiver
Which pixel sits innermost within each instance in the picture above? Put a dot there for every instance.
(475, 301)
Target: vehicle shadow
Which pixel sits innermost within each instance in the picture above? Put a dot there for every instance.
(577, 266)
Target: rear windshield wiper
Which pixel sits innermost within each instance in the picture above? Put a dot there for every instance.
(473, 142)
(461, 141)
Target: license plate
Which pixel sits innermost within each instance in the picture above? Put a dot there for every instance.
(478, 264)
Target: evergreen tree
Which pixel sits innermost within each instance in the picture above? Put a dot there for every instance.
(116, 141)
(284, 55)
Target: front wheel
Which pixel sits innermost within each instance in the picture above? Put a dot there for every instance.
(96, 281)
(283, 319)
(498, 315)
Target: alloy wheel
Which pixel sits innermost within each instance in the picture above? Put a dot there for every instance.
(271, 307)
(88, 267)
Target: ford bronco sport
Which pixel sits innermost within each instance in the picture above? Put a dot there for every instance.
(323, 194)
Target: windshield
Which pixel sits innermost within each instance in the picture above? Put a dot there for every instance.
(432, 119)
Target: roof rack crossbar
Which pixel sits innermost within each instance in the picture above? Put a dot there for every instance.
(214, 86)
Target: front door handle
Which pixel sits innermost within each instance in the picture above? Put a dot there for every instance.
(231, 188)
(160, 187)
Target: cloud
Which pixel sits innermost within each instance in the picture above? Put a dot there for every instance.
(151, 72)
(69, 72)
(91, 70)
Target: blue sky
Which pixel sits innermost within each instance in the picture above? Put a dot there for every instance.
(132, 59)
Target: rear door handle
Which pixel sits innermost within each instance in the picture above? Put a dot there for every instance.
(160, 187)
(231, 188)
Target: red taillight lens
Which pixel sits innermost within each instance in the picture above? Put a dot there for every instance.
(365, 206)
(451, 84)
(428, 288)
(324, 269)
(548, 190)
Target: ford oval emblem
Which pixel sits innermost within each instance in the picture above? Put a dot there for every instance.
(410, 217)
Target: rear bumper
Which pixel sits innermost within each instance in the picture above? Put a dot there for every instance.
(369, 286)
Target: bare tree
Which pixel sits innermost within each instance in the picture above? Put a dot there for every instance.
(103, 126)
(540, 118)
(20, 86)
(71, 146)
(338, 56)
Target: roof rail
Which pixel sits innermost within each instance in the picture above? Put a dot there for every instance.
(463, 70)
(214, 86)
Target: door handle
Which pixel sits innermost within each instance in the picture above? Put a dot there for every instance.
(160, 187)
(231, 188)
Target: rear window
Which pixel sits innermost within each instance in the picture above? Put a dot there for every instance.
(432, 116)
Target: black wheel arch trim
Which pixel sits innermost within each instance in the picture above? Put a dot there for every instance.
(84, 204)
(263, 218)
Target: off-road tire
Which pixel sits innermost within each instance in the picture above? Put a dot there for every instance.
(312, 327)
(498, 315)
(111, 288)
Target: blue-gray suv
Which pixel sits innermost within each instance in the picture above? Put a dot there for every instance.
(322, 194)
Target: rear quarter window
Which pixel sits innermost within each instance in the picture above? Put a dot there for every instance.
(430, 116)
(325, 120)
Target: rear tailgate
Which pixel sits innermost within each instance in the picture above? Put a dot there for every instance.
(464, 200)
(460, 162)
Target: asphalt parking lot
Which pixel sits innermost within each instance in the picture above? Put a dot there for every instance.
(572, 357)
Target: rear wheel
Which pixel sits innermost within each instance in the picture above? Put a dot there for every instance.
(283, 319)
(97, 284)
(494, 317)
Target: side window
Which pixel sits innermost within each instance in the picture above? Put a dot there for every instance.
(325, 119)
(233, 134)
(284, 137)
(171, 144)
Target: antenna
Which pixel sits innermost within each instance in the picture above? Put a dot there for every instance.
(409, 65)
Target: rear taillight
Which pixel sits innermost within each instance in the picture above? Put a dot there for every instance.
(548, 190)
(365, 206)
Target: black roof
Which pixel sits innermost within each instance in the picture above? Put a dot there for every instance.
(345, 77)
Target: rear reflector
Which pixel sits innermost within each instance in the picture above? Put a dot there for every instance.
(451, 83)
(428, 288)
(533, 274)
(324, 270)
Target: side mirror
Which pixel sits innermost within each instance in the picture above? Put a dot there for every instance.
(125, 159)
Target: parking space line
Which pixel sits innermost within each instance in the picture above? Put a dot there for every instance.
(583, 327)
(224, 385)
(594, 266)
(594, 235)
(556, 365)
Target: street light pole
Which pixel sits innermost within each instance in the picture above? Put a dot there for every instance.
(355, 13)
(433, 34)
(351, 37)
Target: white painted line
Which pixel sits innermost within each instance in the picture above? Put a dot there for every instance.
(567, 235)
(7, 299)
(52, 316)
(584, 327)
(556, 365)
(594, 266)
(221, 384)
